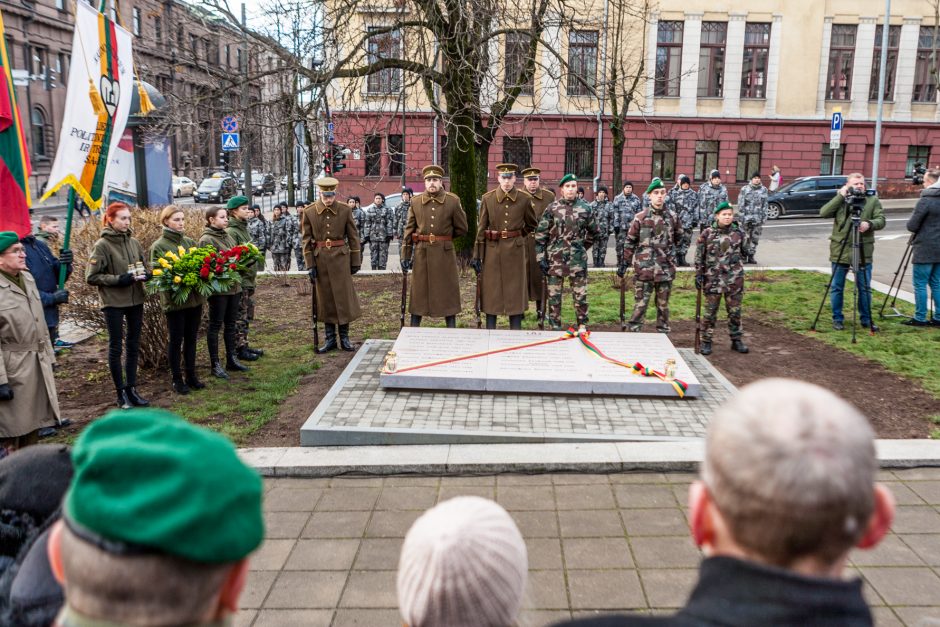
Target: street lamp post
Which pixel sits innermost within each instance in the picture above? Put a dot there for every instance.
(881, 94)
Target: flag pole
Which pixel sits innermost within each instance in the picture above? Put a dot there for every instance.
(68, 236)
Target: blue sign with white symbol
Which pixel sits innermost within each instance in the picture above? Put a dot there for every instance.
(331, 138)
(836, 121)
(230, 141)
(330, 127)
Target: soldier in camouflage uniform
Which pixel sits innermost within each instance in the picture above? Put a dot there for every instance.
(651, 246)
(710, 195)
(280, 239)
(752, 205)
(565, 232)
(401, 212)
(685, 202)
(359, 217)
(380, 224)
(626, 206)
(296, 243)
(258, 229)
(719, 269)
(604, 221)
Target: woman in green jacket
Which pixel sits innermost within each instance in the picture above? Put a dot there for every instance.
(182, 321)
(121, 292)
(223, 308)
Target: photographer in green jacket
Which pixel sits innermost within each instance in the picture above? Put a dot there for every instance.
(852, 204)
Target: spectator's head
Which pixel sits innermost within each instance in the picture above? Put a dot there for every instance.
(463, 563)
(173, 218)
(12, 253)
(217, 217)
(755, 179)
(580, 192)
(789, 480)
(627, 188)
(406, 194)
(378, 199)
(157, 523)
(118, 217)
(277, 212)
(775, 169)
(685, 182)
(49, 224)
(931, 176)
(856, 180)
(353, 201)
(714, 177)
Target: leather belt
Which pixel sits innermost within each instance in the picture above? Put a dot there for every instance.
(498, 235)
(15, 347)
(431, 238)
(331, 243)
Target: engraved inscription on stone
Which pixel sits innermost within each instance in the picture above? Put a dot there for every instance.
(421, 346)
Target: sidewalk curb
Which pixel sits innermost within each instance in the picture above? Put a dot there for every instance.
(485, 459)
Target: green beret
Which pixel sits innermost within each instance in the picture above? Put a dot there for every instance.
(656, 183)
(7, 239)
(236, 201)
(567, 178)
(147, 478)
(723, 205)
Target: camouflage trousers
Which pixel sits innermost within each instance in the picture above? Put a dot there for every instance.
(246, 312)
(732, 306)
(281, 261)
(578, 284)
(618, 246)
(600, 251)
(683, 246)
(752, 233)
(641, 294)
(299, 256)
(379, 251)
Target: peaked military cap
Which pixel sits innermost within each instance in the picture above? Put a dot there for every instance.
(327, 185)
(531, 172)
(506, 168)
(433, 172)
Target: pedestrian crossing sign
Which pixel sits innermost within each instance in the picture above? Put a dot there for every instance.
(230, 141)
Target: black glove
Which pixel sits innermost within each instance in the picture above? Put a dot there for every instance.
(388, 239)
(695, 224)
(6, 393)
(699, 281)
(60, 296)
(543, 265)
(477, 265)
(125, 279)
(406, 264)
(312, 273)
(617, 230)
(621, 270)
(66, 256)
(365, 240)
(354, 269)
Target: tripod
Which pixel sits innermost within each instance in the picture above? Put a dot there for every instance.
(857, 260)
(898, 278)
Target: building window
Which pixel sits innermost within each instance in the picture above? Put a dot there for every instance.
(518, 151)
(444, 156)
(756, 51)
(60, 5)
(180, 36)
(135, 21)
(373, 155)
(825, 163)
(664, 159)
(38, 128)
(38, 65)
(748, 160)
(706, 159)
(61, 68)
(228, 55)
(711, 59)
(841, 58)
(194, 46)
(582, 62)
(517, 50)
(579, 157)
(916, 155)
(158, 28)
(396, 155)
(239, 63)
(668, 58)
(894, 40)
(925, 83)
(385, 45)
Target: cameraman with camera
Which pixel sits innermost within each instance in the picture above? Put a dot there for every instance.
(924, 223)
(852, 206)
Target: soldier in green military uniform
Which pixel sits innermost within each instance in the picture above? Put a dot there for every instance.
(719, 269)
(565, 232)
(541, 198)
(401, 214)
(651, 246)
(603, 219)
(507, 216)
(157, 524)
(239, 214)
(752, 205)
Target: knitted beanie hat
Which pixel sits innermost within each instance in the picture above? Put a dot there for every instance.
(463, 564)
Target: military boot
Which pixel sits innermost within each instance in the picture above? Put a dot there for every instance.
(450, 322)
(515, 322)
(244, 354)
(212, 341)
(415, 320)
(330, 339)
(490, 321)
(232, 363)
(739, 346)
(706, 347)
(344, 342)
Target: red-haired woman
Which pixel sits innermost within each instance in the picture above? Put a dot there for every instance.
(122, 296)
(223, 308)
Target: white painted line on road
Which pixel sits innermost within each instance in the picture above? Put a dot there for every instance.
(887, 237)
(829, 223)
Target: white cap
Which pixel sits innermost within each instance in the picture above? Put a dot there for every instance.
(463, 563)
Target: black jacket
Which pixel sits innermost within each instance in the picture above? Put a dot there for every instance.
(925, 222)
(44, 266)
(738, 593)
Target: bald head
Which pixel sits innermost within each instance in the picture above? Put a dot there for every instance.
(791, 469)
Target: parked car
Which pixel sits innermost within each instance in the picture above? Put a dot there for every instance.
(216, 189)
(391, 200)
(803, 196)
(255, 176)
(183, 186)
(262, 184)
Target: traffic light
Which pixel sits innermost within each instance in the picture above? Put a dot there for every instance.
(339, 155)
(328, 161)
(223, 160)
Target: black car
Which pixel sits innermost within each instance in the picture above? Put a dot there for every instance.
(262, 184)
(216, 189)
(803, 196)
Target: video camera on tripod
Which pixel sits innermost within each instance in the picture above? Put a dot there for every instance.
(856, 201)
(917, 176)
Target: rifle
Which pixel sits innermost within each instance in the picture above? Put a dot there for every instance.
(478, 302)
(623, 304)
(698, 320)
(316, 315)
(404, 296)
(541, 312)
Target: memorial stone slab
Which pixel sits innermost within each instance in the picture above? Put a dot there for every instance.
(562, 367)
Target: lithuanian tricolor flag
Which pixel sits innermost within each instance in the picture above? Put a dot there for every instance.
(14, 158)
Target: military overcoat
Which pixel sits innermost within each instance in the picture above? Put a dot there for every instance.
(541, 199)
(331, 245)
(506, 219)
